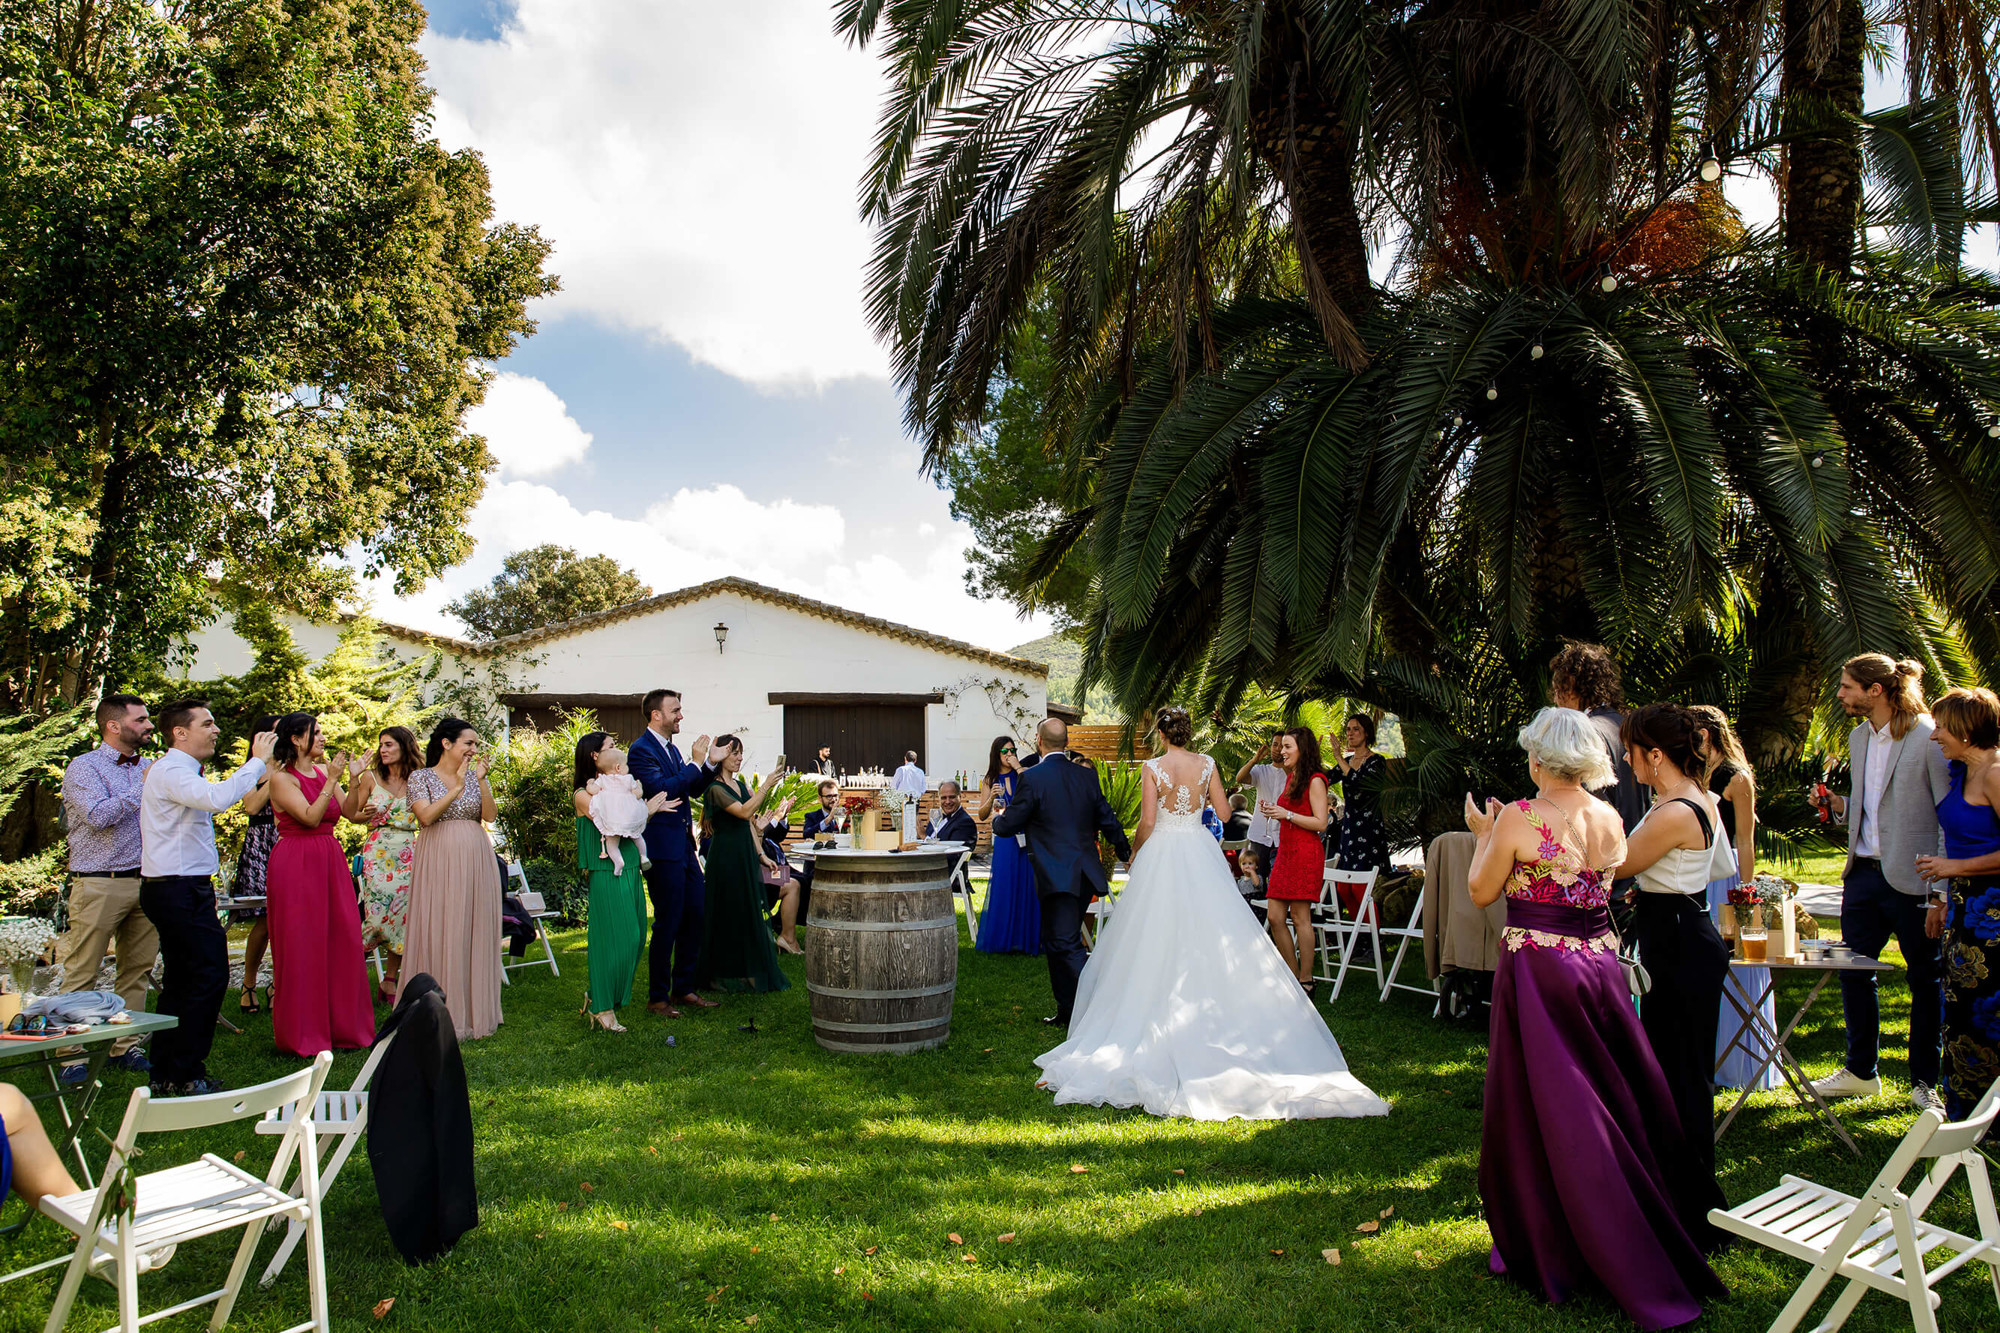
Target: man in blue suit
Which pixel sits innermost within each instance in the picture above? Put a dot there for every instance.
(953, 823)
(673, 881)
(1062, 810)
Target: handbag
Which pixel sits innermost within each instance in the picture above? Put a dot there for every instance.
(1636, 977)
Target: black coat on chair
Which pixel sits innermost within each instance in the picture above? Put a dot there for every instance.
(420, 1127)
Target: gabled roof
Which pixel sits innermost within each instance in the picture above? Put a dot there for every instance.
(742, 588)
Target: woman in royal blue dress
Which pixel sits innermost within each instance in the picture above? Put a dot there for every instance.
(1965, 908)
(1012, 922)
(1583, 1166)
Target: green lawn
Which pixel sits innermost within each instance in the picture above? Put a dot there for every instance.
(751, 1179)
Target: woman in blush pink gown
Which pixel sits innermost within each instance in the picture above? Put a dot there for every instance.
(320, 1001)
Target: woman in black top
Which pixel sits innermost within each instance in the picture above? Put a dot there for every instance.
(1364, 842)
(1730, 778)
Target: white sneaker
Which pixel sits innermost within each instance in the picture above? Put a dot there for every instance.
(1844, 1082)
(1925, 1098)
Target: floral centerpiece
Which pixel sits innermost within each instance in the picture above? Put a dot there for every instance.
(24, 940)
(1763, 905)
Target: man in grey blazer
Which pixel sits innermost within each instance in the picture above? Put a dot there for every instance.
(1898, 776)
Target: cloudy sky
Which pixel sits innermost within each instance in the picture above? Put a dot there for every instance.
(704, 396)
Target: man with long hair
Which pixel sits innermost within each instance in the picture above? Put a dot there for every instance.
(1898, 777)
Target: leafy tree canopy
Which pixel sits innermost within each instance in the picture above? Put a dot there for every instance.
(546, 585)
(245, 298)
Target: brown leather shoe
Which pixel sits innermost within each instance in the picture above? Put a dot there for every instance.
(698, 1001)
(663, 1009)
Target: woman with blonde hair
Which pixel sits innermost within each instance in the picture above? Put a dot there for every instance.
(1967, 732)
(1608, 1188)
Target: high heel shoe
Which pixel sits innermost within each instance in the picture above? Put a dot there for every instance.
(608, 1020)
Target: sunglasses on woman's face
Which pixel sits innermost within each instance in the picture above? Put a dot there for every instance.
(1006, 749)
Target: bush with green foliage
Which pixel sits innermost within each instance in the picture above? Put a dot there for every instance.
(531, 776)
(31, 885)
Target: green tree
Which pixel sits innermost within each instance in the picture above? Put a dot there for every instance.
(546, 585)
(1008, 483)
(246, 298)
(1589, 405)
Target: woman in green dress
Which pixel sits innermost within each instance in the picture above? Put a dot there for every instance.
(737, 954)
(617, 897)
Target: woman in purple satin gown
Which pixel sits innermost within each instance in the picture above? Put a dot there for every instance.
(1581, 1153)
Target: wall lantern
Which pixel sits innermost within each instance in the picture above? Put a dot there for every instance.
(721, 633)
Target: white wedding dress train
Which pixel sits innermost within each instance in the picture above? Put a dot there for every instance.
(1186, 1008)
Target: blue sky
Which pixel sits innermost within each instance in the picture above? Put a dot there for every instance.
(704, 397)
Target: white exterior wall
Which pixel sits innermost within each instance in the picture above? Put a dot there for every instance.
(773, 648)
(770, 648)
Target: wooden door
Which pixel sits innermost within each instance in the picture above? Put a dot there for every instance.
(862, 735)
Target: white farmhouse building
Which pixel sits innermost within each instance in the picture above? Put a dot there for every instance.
(786, 673)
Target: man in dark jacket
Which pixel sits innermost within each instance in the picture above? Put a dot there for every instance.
(1061, 809)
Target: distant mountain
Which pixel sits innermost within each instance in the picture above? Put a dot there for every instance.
(1064, 657)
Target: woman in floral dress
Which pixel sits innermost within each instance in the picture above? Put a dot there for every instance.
(378, 795)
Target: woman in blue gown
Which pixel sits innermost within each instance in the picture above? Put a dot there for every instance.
(1012, 922)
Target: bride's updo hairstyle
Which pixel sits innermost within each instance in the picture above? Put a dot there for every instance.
(1176, 727)
(1568, 746)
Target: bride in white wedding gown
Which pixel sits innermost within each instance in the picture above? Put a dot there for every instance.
(1185, 1007)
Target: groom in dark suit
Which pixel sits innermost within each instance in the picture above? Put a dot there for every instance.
(1062, 810)
(673, 881)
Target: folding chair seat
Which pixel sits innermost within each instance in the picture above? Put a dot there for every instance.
(538, 911)
(1880, 1240)
(200, 1198)
(336, 1115)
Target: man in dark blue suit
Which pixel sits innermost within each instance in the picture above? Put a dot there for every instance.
(1062, 810)
(953, 823)
(673, 881)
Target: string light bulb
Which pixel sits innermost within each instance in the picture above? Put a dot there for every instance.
(1819, 460)
(1610, 283)
(1711, 166)
(1492, 392)
(1457, 421)
(1994, 431)
(1535, 352)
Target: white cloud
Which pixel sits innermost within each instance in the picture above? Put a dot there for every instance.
(527, 428)
(692, 536)
(696, 165)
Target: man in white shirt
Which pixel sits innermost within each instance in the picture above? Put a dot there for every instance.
(177, 865)
(1269, 780)
(909, 779)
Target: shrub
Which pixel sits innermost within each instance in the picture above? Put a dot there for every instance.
(564, 889)
(531, 786)
(31, 885)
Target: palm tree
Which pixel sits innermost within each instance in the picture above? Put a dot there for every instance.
(1588, 403)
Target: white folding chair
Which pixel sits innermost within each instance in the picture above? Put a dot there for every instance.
(1411, 929)
(1340, 934)
(961, 883)
(336, 1115)
(1880, 1239)
(182, 1203)
(538, 910)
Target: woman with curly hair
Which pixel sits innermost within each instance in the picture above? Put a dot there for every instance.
(1967, 731)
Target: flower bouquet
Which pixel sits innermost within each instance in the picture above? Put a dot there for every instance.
(1759, 917)
(878, 823)
(24, 940)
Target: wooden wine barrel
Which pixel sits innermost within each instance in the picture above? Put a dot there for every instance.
(881, 951)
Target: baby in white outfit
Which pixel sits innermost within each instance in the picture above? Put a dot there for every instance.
(618, 808)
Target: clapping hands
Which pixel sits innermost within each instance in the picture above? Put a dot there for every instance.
(662, 803)
(1481, 819)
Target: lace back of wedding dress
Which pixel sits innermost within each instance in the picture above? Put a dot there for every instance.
(1184, 811)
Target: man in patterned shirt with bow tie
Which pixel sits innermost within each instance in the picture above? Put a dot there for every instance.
(100, 793)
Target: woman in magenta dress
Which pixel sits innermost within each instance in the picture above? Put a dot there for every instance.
(321, 1000)
(1584, 1171)
(1299, 867)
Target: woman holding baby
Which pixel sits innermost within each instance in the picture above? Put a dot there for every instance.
(610, 852)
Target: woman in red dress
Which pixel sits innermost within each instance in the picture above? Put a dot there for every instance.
(320, 1001)
(1299, 868)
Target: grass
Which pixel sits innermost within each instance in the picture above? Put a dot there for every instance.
(752, 1180)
